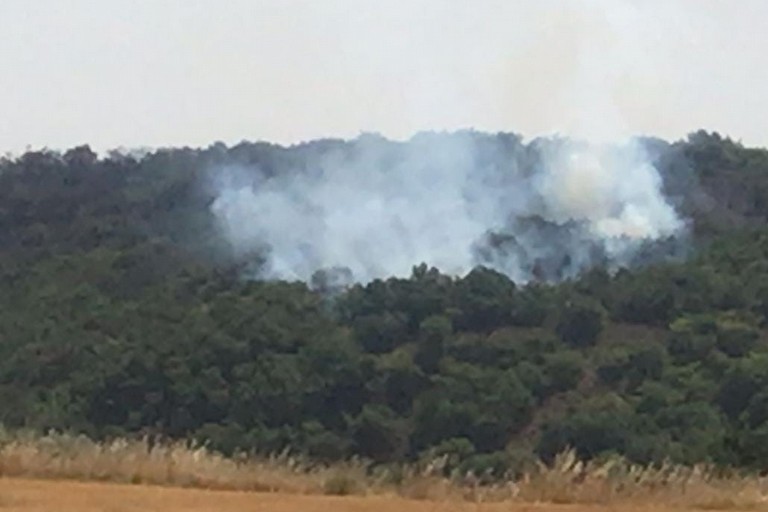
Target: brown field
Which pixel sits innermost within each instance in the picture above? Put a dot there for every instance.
(58, 472)
(25, 495)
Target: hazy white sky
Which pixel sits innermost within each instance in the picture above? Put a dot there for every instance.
(190, 72)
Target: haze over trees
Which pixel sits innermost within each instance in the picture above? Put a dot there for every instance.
(124, 310)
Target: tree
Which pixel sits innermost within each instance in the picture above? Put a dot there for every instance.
(379, 333)
(742, 381)
(379, 433)
(485, 299)
(580, 323)
(434, 332)
(563, 371)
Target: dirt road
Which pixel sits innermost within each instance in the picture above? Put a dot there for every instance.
(18, 495)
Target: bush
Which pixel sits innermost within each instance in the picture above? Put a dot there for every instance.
(580, 324)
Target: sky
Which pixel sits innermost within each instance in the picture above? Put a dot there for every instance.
(150, 73)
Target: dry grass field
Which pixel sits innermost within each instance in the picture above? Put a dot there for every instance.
(65, 473)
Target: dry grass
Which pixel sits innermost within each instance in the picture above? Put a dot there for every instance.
(613, 480)
(175, 464)
(566, 481)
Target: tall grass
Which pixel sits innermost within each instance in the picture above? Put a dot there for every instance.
(144, 462)
(567, 480)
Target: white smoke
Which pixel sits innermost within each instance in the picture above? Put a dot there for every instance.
(378, 207)
(546, 210)
(616, 191)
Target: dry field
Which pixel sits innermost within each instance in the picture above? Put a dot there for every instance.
(64, 473)
(24, 495)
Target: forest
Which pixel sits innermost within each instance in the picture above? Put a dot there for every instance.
(123, 313)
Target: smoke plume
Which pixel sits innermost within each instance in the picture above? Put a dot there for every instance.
(548, 209)
(373, 208)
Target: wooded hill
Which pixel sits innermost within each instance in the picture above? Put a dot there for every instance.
(120, 313)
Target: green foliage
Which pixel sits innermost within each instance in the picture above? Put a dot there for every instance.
(379, 433)
(563, 371)
(485, 300)
(434, 332)
(470, 401)
(594, 428)
(380, 333)
(122, 312)
(580, 323)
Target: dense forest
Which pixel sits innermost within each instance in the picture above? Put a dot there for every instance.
(123, 313)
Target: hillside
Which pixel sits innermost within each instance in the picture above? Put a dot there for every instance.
(124, 310)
